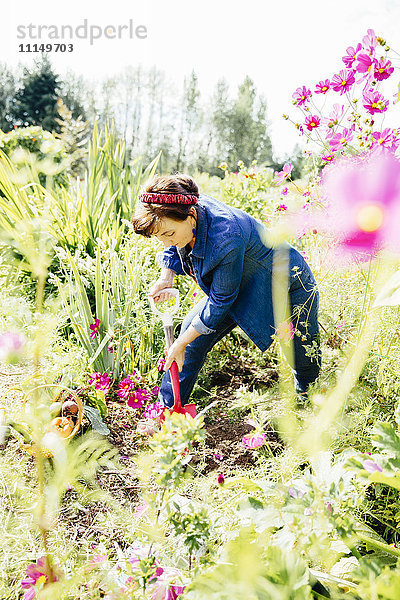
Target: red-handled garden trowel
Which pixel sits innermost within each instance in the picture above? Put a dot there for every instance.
(166, 318)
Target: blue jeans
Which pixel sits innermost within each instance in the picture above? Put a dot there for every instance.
(304, 300)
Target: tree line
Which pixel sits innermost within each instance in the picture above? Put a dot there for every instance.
(149, 112)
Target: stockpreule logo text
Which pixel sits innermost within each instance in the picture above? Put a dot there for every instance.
(85, 31)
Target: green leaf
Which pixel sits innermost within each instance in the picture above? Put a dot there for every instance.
(94, 416)
(385, 437)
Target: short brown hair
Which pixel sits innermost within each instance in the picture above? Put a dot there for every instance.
(148, 216)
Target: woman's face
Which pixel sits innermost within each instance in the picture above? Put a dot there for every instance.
(175, 233)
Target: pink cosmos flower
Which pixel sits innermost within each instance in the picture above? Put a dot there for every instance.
(284, 191)
(167, 591)
(328, 157)
(312, 122)
(138, 398)
(342, 81)
(341, 139)
(301, 95)
(386, 139)
(374, 102)
(285, 331)
(369, 41)
(125, 387)
(37, 576)
(334, 117)
(281, 207)
(365, 63)
(371, 466)
(101, 380)
(221, 479)
(94, 328)
(253, 440)
(11, 346)
(383, 69)
(153, 410)
(363, 198)
(284, 174)
(323, 87)
(351, 55)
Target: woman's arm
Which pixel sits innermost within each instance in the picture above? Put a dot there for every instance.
(177, 350)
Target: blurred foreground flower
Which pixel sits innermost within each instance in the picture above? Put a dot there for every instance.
(11, 346)
(364, 202)
(37, 576)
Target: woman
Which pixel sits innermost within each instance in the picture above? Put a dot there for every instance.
(221, 248)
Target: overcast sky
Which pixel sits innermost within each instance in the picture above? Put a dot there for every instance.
(280, 45)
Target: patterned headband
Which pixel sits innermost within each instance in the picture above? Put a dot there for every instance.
(168, 198)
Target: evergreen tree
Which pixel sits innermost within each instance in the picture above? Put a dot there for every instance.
(247, 137)
(36, 100)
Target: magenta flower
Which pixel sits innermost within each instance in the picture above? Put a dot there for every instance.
(383, 69)
(221, 479)
(301, 95)
(341, 139)
(94, 328)
(11, 346)
(281, 207)
(386, 139)
(155, 391)
(153, 410)
(253, 440)
(365, 64)
(284, 174)
(374, 102)
(363, 202)
(328, 157)
(138, 398)
(217, 456)
(284, 191)
(174, 591)
(371, 466)
(125, 387)
(37, 576)
(161, 364)
(351, 54)
(342, 81)
(101, 380)
(322, 87)
(312, 122)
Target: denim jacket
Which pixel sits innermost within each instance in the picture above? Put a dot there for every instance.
(233, 267)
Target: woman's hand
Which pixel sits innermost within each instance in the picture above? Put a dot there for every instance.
(158, 285)
(175, 353)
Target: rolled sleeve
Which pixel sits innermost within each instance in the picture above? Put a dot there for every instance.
(200, 327)
(224, 289)
(169, 259)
